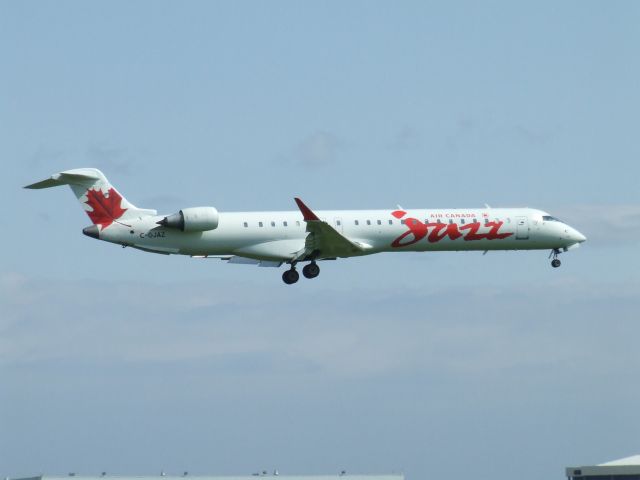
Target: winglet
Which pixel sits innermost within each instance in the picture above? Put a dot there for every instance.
(307, 214)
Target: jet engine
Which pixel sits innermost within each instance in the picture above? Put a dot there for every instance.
(194, 219)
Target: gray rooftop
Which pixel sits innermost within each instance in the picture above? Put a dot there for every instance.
(336, 476)
(629, 466)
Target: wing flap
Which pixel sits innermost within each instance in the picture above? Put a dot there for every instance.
(239, 260)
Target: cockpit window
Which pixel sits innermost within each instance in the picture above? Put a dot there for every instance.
(549, 218)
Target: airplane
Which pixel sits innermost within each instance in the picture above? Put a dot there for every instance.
(271, 239)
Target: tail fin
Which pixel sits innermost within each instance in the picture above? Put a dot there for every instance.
(102, 202)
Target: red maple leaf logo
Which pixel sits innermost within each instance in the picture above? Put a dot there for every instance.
(106, 209)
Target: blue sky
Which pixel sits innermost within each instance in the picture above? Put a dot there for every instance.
(127, 362)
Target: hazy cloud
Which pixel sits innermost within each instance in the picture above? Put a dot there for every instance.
(461, 131)
(315, 151)
(114, 160)
(157, 366)
(605, 224)
(531, 136)
(45, 154)
(407, 138)
(467, 129)
(164, 202)
(375, 333)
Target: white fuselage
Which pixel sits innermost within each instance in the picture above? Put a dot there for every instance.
(275, 238)
(279, 235)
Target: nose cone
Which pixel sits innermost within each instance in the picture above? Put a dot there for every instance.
(91, 231)
(576, 236)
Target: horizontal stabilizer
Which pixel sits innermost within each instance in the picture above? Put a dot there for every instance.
(66, 178)
(99, 199)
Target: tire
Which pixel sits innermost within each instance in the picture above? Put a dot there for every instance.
(555, 263)
(290, 276)
(311, 271)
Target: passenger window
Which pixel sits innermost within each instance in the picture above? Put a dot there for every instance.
(245, 224)
(273, 224)
(390, 222)
(403, 221)
(284, 224)
(451, 220)
(260, 224)
(338, 222)
(462, 221)
(368, 222)
(439, 221)
(379, 222)
(356, 222)
(486, 221)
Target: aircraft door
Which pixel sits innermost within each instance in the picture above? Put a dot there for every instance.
(522, 228)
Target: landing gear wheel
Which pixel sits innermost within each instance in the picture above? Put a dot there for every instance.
(290, 276)
(555, 263)
(311, 271)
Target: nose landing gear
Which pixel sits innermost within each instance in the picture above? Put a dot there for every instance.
(555, 263)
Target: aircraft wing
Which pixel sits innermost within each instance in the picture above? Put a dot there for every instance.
(324, 241)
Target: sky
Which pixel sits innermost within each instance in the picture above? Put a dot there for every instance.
(432, 364)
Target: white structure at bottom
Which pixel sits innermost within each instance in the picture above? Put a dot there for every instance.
(627, 468)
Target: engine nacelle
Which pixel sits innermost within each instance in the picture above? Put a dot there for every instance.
(194, 219)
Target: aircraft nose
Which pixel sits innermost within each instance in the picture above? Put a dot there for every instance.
(576, 236)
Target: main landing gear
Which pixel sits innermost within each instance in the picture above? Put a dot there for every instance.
(290, 276)
(312, 270)
(555, 263)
